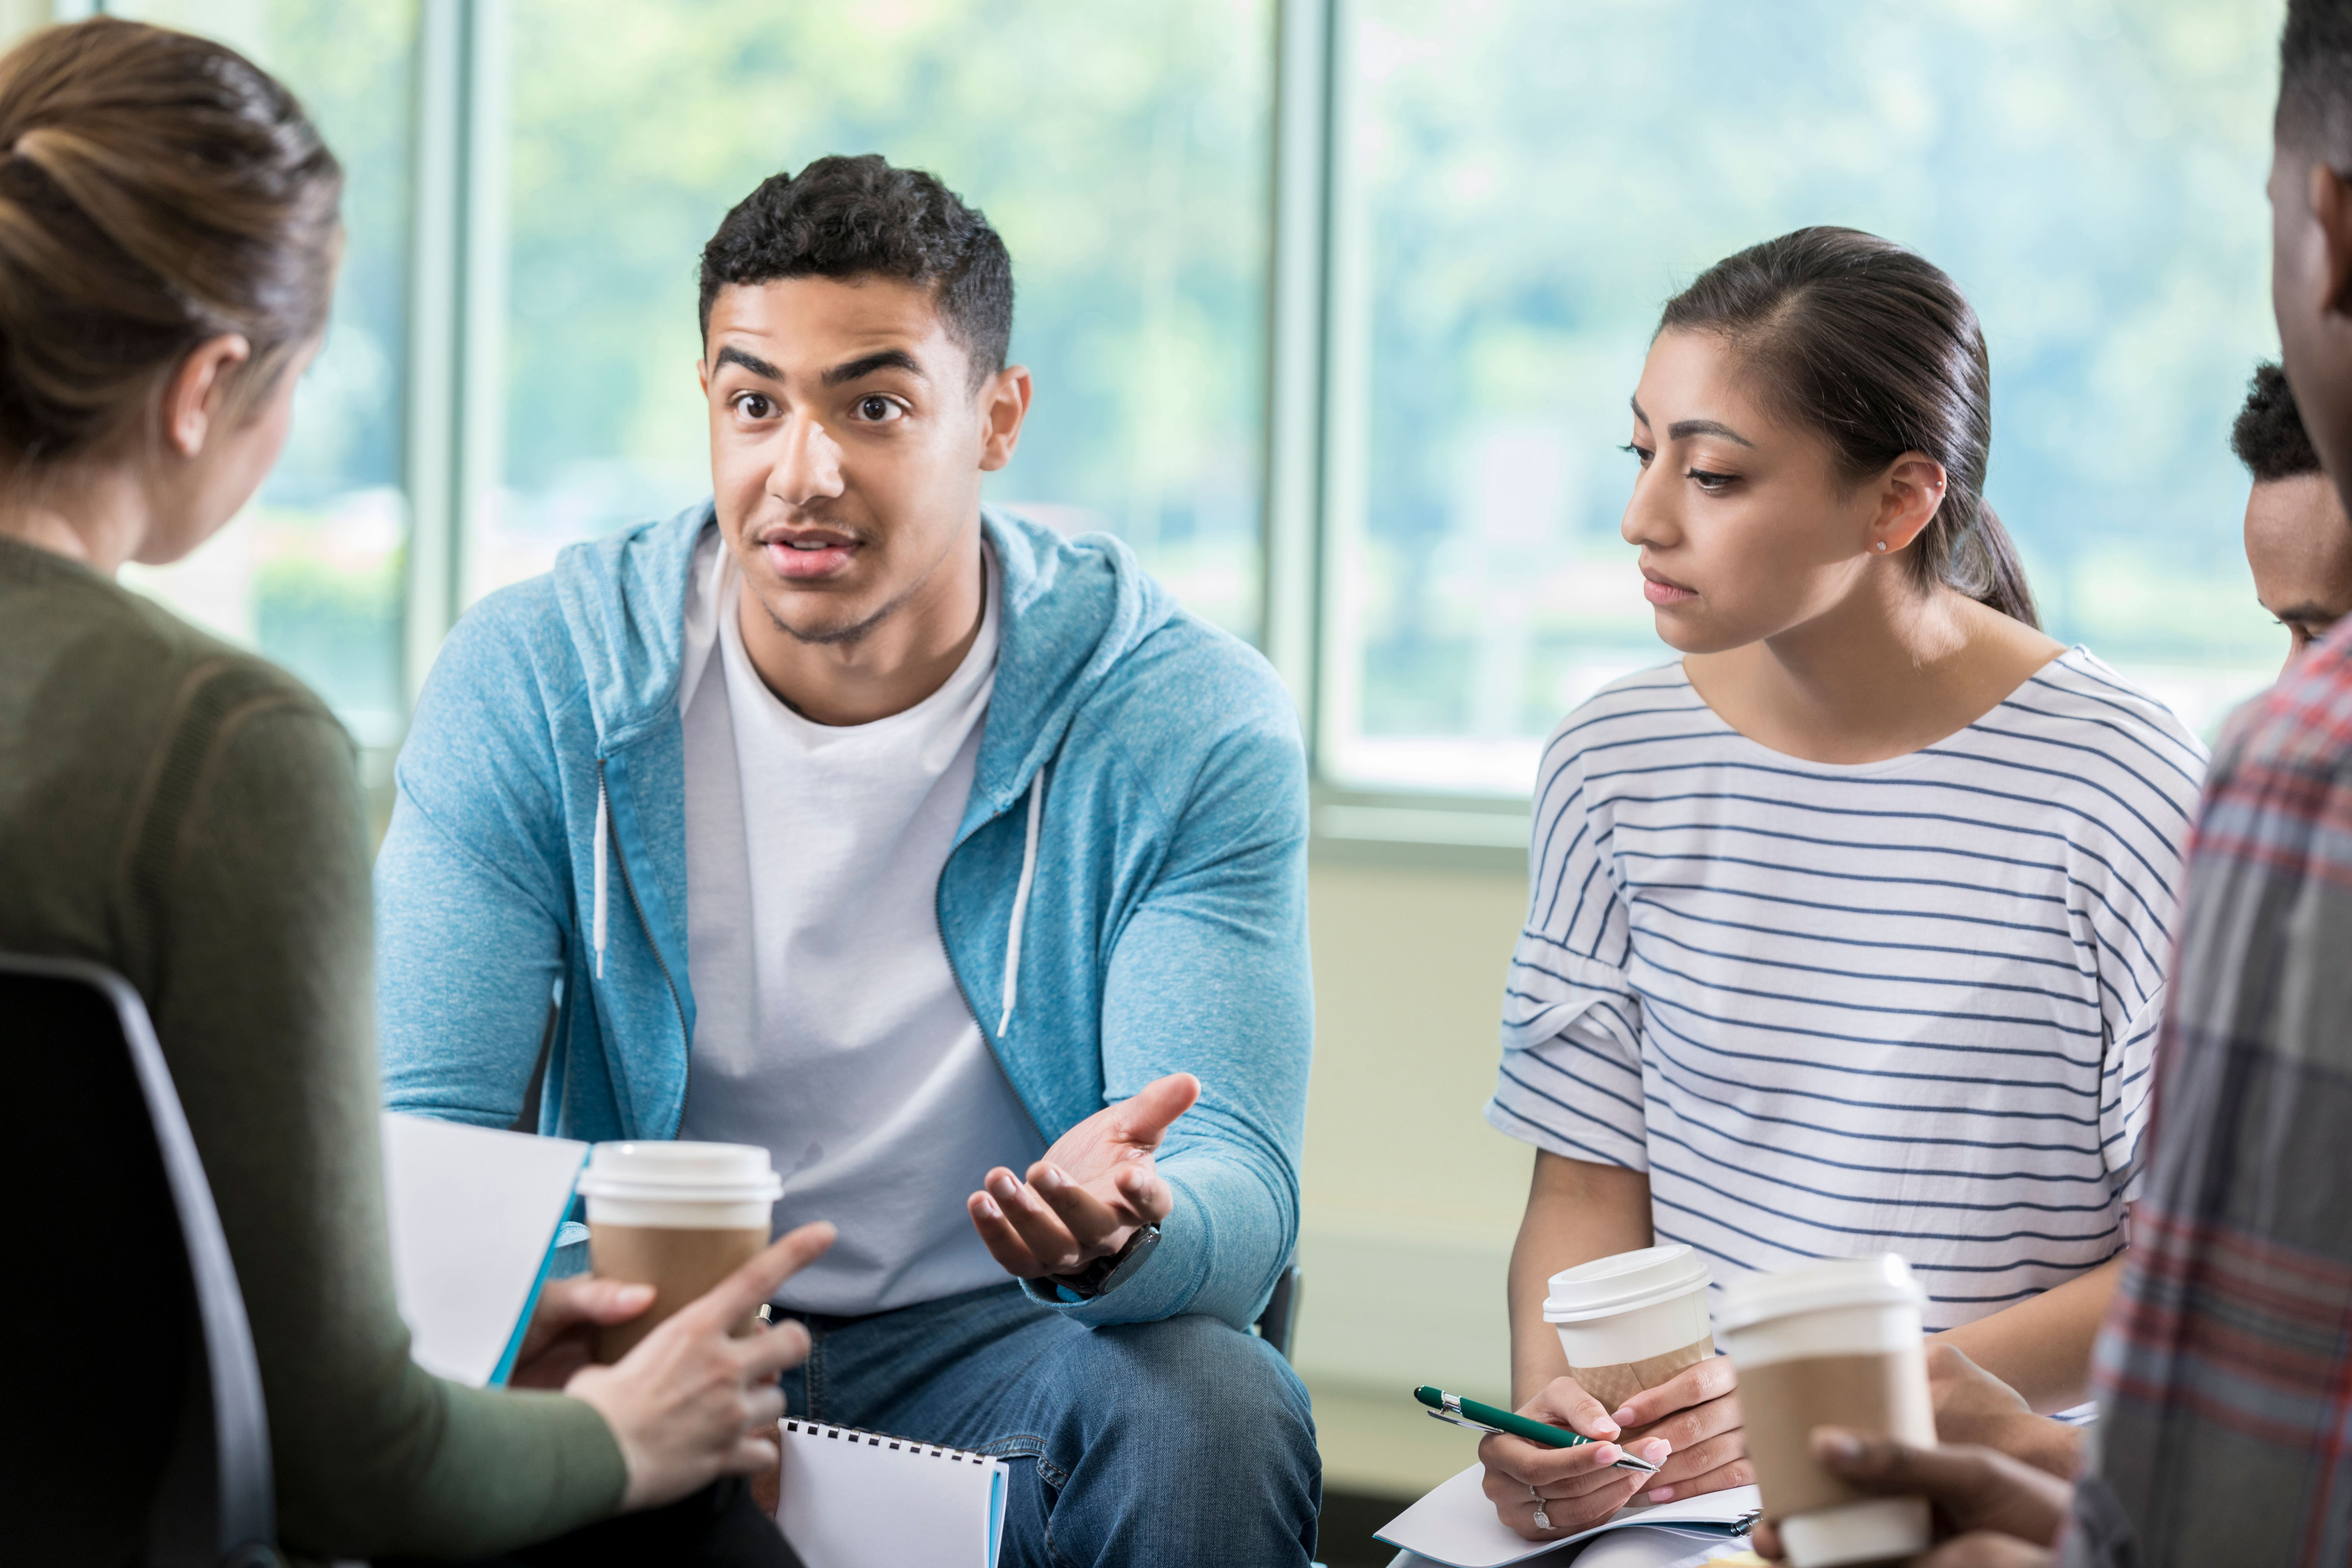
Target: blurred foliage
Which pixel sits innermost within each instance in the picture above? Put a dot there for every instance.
(1530, 180)
(1119, 147)
(1537, 176)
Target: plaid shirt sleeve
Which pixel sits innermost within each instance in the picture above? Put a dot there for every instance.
(2225, 1369)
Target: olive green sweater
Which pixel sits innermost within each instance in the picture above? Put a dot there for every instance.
(188, 814)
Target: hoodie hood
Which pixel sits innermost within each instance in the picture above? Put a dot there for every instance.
(1073, 609)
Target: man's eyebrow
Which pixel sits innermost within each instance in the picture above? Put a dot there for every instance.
(1684, 429)
(2309, 610)
(751, 362)
(887, 359)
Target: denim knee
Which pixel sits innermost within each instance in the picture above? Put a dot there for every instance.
(1194, 1443)
(1221, 1396)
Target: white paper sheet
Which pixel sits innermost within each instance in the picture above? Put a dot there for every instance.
(859, 1500)
(474, 1214)
(1454, 1526)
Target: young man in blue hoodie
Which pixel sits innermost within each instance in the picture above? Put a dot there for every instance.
(846, 816)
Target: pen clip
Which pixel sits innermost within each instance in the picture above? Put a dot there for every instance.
(1453, 1417)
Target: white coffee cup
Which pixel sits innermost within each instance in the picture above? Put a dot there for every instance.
(1631, 1321)
(680, 1186)
(677, 1216)
(1836, 1342)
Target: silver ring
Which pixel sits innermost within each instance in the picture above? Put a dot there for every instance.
(1543, 1519)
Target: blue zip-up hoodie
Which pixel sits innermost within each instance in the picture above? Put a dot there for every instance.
(1126, 896)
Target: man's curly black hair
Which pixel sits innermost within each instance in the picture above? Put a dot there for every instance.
(2269, 436)
(861, 217)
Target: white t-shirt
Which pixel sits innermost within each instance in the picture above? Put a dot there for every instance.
(828, 1027)
(1905, 1006)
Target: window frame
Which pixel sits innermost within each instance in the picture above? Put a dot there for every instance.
(1312, 442)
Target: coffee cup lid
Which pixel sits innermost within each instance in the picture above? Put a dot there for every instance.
(681, 1173)
(1881, 1281)
(1623, 1283)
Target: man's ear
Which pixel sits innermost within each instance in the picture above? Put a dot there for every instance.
(1003, 405)
(2331, 208)
(193, 396)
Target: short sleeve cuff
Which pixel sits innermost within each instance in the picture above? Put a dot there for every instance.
(1577, 1095)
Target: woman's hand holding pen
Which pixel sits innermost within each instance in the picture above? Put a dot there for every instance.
(1573, 1488)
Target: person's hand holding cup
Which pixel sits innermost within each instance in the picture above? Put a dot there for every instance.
(698, 1397)
(1833, 1344)
(1645, 1377)
(678, 1239)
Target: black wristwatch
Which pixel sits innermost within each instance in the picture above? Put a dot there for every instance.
(1107, 1273)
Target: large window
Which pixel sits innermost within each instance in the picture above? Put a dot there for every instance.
(1334, 306)
(313, 574)
(1523, 183)
(1119, 146)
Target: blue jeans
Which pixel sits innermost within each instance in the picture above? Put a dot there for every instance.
(1184, 1443)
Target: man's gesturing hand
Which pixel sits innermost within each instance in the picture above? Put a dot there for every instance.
(690, 1403)
(1095, 1187)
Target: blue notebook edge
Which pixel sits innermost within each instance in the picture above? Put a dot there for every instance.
(505, 1369)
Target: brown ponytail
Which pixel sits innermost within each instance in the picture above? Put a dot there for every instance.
(155, 190)
(1876, 348)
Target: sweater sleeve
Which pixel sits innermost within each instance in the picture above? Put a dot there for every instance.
(253, 861)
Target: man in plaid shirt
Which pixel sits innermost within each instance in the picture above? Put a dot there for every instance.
(2225, 1366)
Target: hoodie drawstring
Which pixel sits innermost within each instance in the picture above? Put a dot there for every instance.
(596, 927)
(1021, 903)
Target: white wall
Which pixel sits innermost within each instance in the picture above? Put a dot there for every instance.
(1411, 1199)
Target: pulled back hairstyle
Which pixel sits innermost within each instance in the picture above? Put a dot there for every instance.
(1875, 348)
(2268, 435)
(156, 190)
(862, 218)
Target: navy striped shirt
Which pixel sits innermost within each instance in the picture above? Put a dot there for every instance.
(1907, 1005)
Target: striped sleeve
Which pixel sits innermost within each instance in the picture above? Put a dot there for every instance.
(1571, 1076)
(2126, 1079)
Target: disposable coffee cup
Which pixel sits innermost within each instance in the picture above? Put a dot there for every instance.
(1632, 1321)
(677, 1216)
(1835, 1343)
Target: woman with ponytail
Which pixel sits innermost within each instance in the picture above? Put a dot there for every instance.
(1847, 932)
(186, 815)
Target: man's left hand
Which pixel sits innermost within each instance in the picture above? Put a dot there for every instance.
(1090, 1194)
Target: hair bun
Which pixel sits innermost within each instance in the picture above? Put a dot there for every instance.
(158, 189)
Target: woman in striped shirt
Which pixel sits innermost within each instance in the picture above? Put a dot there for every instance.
(1847, 932)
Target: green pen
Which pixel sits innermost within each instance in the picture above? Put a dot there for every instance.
(1479, 1417)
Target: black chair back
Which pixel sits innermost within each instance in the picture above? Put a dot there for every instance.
(1281, 1314)
(132, 1393)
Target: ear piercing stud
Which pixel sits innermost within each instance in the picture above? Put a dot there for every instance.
(1880, 547)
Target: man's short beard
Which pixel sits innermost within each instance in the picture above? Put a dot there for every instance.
(841, 636)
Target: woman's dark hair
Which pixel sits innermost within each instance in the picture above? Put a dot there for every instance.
(1874, 346)
(156, 190)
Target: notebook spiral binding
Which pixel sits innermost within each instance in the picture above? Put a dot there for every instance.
(884, 1441)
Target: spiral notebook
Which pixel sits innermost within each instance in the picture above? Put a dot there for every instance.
(862, 1500)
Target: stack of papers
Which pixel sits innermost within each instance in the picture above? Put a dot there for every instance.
(1456, 1527)
(474, 1214)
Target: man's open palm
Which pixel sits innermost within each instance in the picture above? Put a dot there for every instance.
(1091, 1192)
